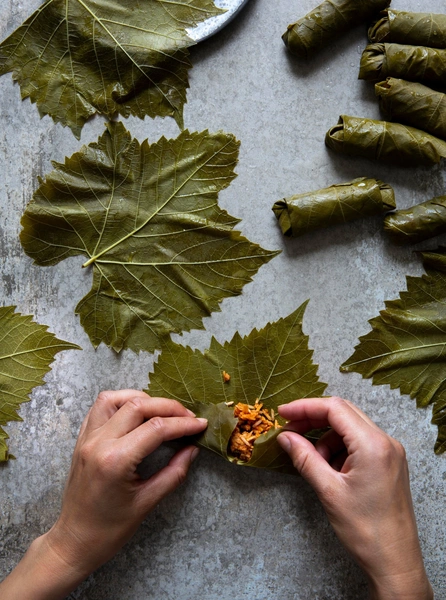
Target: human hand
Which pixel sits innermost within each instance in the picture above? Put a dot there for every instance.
(360, 475)
(105, 499)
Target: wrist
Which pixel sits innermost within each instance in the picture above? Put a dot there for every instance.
(393, 564)
(413, 586)
(398, 573)
(72, 555)
(42, 574)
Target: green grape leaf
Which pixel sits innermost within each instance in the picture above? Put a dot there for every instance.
(75, 58)
(406, 348)
(26, 351)
(164, 254)
(274, 365)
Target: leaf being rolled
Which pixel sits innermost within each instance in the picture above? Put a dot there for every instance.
(75, 58)
(414, 29)
(273, 364)
(26, 351)
(413, 104)
(336, 204)
(417, 223)
(146, 217)
(413, 63)
(328, 21)
(406, 348)
(381, 140)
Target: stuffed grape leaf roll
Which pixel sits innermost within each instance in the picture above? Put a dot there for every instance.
(418, 223)
(413, 104)
(326, 22)
(415, 29)
(333, 205)
(414, 63)
(385, 141)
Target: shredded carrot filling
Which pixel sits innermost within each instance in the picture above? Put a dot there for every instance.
(226, 376)
(252, 422)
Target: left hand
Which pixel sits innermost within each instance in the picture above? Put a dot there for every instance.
(105, 499)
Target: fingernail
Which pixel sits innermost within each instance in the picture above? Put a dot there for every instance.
(191, 414)
(194, 454)
(204, 421)
(284, 442)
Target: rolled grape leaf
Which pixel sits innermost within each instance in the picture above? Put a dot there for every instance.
(413, 63)
(413, 29)
(413, 104)
(146, 217)
(326, 22)
(406, 348)
(273, 365)
(75, 58)
(26, 351)
(381, 140)
(336, 204)
(417, 223)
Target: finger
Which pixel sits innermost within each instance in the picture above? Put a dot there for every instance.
(167, 479)
(318, 412)
(84, 424)
(146, 438)
(362, 415)
(310, 464)
(138, 409)
(107, 403)
(305, 425)
(330, 445)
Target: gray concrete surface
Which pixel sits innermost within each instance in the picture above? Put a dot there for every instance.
(228, 533)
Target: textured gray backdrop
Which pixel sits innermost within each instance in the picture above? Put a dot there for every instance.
(228, 533)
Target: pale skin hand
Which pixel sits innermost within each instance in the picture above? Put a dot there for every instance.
(360, 475)
(105, 500)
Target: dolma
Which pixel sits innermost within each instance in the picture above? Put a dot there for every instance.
(414, 29)
(414, 63)
(417, 223)
(239, 385)
(326, 22)
(381, 140)
(333, 205)
(413, 104)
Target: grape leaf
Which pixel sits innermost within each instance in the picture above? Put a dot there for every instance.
(164, 254)
(27, 349)
(406, 348)
(78, 57)
(273, 364)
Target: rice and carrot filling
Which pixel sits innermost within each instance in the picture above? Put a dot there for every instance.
(253, 420)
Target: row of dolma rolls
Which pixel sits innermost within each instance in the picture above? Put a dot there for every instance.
(407, 51)
(362, 197)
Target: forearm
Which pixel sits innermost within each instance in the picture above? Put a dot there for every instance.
(42, 574)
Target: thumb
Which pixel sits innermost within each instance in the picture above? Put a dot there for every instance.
(307, 460)
(165, 481)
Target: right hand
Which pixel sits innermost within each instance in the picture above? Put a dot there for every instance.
(360, 475)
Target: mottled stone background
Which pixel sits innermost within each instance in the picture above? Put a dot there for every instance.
(228, 533)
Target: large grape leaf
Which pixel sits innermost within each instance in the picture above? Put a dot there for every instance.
(78, 57)
(146, 216)
(406, 348)
(26, 351)
(274, 365)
